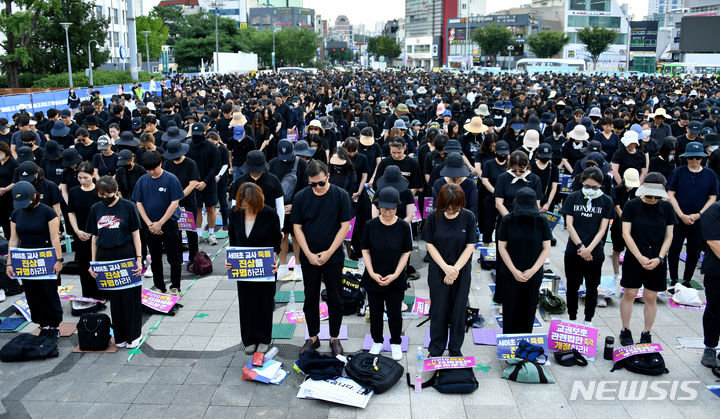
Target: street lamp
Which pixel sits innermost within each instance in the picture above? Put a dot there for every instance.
(65, 26)
(90, 61)
(273, 31)
(147, 49)
(217, 4)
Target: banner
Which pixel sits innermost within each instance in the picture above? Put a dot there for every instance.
(553, 219)
(508, 344)
(641, 348)
(116, 274)
(416, 215)
(564, 336)
(565, 182)
(33, 263)
(448, 362)
(251, 264)
(22, 306)
(428, 206)
(421, 306)
(295, 316)
(349, 234)
(186, 221)
(158, 301)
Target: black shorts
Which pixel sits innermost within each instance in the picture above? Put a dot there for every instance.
(618, 242)
(287, 225)
(635, 276)
(207, 197)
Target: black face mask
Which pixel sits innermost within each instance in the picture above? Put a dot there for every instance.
(108, 201)
(544, 161)
(501, 159)
(28, 144)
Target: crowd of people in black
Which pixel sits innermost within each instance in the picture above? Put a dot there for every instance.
(292, 159)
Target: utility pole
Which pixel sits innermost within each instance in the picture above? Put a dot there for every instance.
(132, 40)
(65, 26)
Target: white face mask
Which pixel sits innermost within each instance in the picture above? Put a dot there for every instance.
(712, 148)
(590, 193)
(646, 132)
(671, 157)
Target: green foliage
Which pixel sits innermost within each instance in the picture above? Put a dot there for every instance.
(100, 77)
(493, 39)
(384, 46)
(295, 46)
(341, 56)
(173, 19)
(596, 41)
(547, 44)
(18, 27)
(159, 32)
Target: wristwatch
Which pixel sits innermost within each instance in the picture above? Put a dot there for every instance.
(60, 260)
(661, 259)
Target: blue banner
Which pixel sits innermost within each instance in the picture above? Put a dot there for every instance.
(116, 274)
(553, 219)
(251, 264)
(565, 182)
(33, 263)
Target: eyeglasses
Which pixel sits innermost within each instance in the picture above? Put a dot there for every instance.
(694, 158)
(594, 188)
(320, 184)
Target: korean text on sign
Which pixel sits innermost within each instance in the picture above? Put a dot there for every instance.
(33, 263)
(564, 336)
(116, 274)
(251, 264)
(508, 344)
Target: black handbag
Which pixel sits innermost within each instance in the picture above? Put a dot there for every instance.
(451, 381)
(375, 372)
(94, 332)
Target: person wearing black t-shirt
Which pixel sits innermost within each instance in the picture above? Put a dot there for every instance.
(386, 246)
(710, 227)
(256, 171)
(588, 213)
(7, 173)
(491, 169)
(81, 198)
(34, 225)
(321, 216)
(408, 166)
(573, 149)
(549, 176)
(450, 235)
(627, 156)
(223, 177)
(647, 224)
(622, 194)
(510, 182)
(105, 162)
(115, 228)
(128, 173)
(523, 245)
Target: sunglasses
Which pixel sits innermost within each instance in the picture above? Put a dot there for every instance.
(517, 171)
(694, 158)
(652, 197)
(320, 184)
(594, 188)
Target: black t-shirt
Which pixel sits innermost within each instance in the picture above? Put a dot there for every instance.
(571, 154)
(49, 192)
(86, 151)
(504, 188)
(7, 172)
(320, 218)
(450, 236)
(625, 160)
(127, 179)
(240, 149)
(361, 166)
(80, 203)
(491, 169)
(280, 168)
(186, 171)
(69, 178)
(710, 227)
(31, 226)
(649, 222)
(524, 236)
(113, 225)
(547, 176)
(386, 244)
(269, 183)
(409, 168)
(371, 153)
(105, 165)
(587, 219)
(52, 169)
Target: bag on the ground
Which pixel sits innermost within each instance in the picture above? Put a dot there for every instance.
(551, 303)
(201, 264)
(530, 352)
(686, 296)
(94, 332)
(376, 372)
(524, 371)
(352, 294)
(570, 358)
(318, 366)
(79, 308)
(289, 182)
(27, 347)
(646, 364)
(473, 319)
(451, 381)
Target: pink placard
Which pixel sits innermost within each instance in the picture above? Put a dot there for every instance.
(158, 301)
(324, 313)
(695, 308)
(295, 316)
(186, 221)
(563, 336)
(428, 206)
(416, 216)
(421, 306)
(642, 348)
(348, 236)
(448, 362)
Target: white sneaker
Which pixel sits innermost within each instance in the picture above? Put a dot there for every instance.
(396, 351)
(148, 273)
(601, 302)
(121, 345)
(297, 272)
(376, 348)
(2, 295)
(212, 240)
(283, 272)
(134, 344)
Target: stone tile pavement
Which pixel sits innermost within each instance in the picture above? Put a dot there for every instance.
(191, 367)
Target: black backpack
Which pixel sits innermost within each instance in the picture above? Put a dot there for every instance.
(318, 366)
(352, 294)
(289, 182)
(27, 347)
(94, 332)
(375, 372)
(451, 381)
(646, 364)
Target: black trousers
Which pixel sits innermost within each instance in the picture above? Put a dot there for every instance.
(257, 302)
(578, 269)
(331, 275)
(693, 234)
(377, 301)
(6, 208)
(449, 306)
(711, 317)
(222, 189)
(490, 219)
(87, 282)
(44, 301)
(520, 300)
(125, 306)
(169, 238)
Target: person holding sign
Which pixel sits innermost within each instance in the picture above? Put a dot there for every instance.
(524, 244)
(115, 228)
(386, 246)
(450, 235)
(321, 216)
(34, 225)
(81, 199)
(254, 224)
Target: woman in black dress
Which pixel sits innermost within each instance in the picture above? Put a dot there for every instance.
(7, 170)
(254, 224)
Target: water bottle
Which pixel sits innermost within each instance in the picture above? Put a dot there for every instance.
(418, 383)
(68, 244)
(291, 303)
(271, 353)
(420, 358)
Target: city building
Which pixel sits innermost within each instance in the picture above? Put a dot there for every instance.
(235, 9)
(268, 17)
(116, 11)
(343, 30)
(188, 7)
(660, 7)
(425, 23)
(275, 3)
(391, 29)
(472, 7)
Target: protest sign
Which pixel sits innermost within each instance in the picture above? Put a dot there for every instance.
(448, 362)
(672, 303)
(564, 336)
(488, 254)
(508, 344)
(186, 221)
(324, 313)
(253, 264)
(295, 316)
(421, 306)
(553, 219)
(428, 206)
(349, 234)
(35, 264)
(22, 306)
(341, 390)
(158, 301)
(641, 348)
(565, 182)
(116, 274)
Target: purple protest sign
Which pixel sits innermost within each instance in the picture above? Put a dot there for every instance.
(186, 221)
(448, 362)
(421, 306)
(486, 336)
(295, 316)
(325, 332)
(641, 348)
(349, 234)
(428, 207)
(368, 342)
(564, 336)
(158, 301)
(417, 217)
(324, 313)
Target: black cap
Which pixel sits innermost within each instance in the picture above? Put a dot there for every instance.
(502, 148)
(27, 171)
(544, 151)
(198, 128)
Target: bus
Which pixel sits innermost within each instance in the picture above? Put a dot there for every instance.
(551, 64)
(689, 68)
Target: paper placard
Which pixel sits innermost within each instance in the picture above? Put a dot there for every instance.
(448, 362)
(349, 234)
(295, 316)
(553, 219)
(158, 301)
(565, 182)
(341, 390)
(116, 274)
(421, 306)
(324, 313)
(641, 348)
(253, 264)
(186, 221)
(486, 336)
(22, 306)
(564, 336)
(508, 344)
(416, 216)
(488, 254)
(80, 299)
(695, 308)
(33, 264)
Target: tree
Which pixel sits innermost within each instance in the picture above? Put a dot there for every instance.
(341, 55)
(172, 17)
(493, 39)
(596, 41)
(295, 46)
(19, 29)
(384, 46)
(196, 39)
(159, 32)
(547, 44)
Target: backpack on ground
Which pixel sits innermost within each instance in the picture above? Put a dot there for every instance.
(646, 364)
(318, 366)
(352, 294)
(451, 381)
(551, 303)
(375, 372)
(201, 264)
(529, 351)
(289, 182)
(94, 332)
(27, 347)
(524, 371)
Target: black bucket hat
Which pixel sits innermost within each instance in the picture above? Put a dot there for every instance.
(175, 149)
(71, 157)
(454, 167)
(255, 162)
(392, 178)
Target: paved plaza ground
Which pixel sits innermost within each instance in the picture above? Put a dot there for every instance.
(190, 366)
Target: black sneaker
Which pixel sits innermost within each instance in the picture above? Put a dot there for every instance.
(626, 338)
(645, 337)
(53, 333)
(708, 359)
